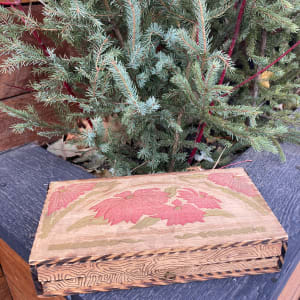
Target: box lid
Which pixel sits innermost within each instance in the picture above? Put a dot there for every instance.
(98, 218)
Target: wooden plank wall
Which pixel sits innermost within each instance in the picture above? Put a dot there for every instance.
(14, 92)
(8, 138)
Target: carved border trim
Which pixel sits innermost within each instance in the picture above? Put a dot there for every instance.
(150, 253)
(175, 279)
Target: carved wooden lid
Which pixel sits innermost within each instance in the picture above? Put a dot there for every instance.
(139, 214)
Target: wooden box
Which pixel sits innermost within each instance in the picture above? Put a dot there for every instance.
(138, 231)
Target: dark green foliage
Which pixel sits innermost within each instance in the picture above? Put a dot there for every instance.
(141, 66)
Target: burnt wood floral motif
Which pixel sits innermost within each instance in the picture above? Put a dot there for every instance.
(144, 207)
(149, 203)
(200, 199)
(63, 196)
(237, 183)
(131, 206)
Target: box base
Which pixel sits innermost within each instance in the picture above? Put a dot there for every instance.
(197, 272)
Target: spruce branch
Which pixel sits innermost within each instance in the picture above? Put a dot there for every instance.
(280, 21)
(204, 29)
(118, 33)
(99, 52)
(176, 143)
(135, 67)
(115, 26)
(262, 53)
(265, 68)
(235, 36)
(42, 45)
(168, 8)
(218, 12)
(133, 12)
(34, 32)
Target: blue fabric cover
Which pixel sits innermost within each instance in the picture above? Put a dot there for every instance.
(25, 174)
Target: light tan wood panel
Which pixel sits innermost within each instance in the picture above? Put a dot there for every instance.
(74, 222)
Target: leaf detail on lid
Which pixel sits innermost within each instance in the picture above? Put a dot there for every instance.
(146, 222)
(218, 212)
(171, 191)
(64, 195)
(240, 184)
(87, 221)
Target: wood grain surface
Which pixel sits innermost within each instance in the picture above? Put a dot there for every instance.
(17, 274)
(161, 277)
(137, 269)
(4, 290)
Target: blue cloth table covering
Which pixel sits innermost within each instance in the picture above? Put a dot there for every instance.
(25, 173)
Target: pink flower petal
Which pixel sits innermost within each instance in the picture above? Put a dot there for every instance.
(63, 196)
(236, 183)
(130, 207)
(201, 199)
(186, 214)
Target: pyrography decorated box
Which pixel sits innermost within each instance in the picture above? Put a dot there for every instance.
(138, 231)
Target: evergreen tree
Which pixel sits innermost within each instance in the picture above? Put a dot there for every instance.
(152, 68)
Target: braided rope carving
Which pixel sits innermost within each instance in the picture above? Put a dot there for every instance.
(150, 253)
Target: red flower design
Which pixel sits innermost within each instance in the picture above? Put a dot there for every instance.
(179, 214)
(131, 206)
(63, 196)
(239, 184)
(200, 199)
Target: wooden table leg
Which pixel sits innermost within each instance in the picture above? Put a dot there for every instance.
(4, 290)
(17, 276)
(291, 291)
